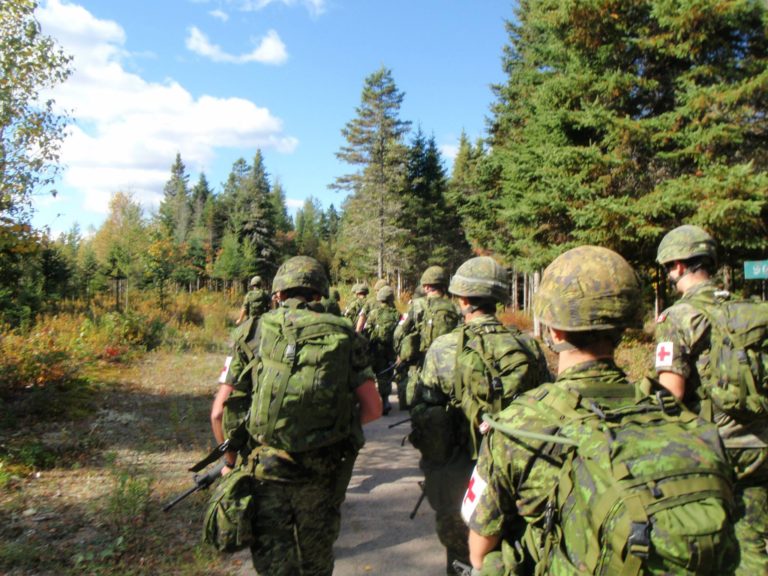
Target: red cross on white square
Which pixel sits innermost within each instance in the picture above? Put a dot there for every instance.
(664, 354)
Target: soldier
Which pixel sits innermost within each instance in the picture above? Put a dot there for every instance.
(426, 319)
(684, 367)
(369, 304)
(379, 330)
(256, 301)
(577, 476)
(359, 292)
(453, 392)
(303, 438)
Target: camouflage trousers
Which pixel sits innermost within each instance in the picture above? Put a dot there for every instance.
(445, 485)
(751, 494)
(294, 529)
(297, 521)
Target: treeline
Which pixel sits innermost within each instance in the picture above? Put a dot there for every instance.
(616, 122)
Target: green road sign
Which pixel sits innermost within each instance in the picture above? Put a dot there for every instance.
(756, 269)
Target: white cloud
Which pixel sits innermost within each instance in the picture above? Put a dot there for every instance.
(128, 130)
(270, 49)
(219, 15)
(449, 151)
(294, 203)
(315, 7)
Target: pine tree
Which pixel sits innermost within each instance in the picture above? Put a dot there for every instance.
(175, 212)
(620, 120)
(435, 235)
(374, 144)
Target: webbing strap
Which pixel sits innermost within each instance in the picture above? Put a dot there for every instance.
(286, 357)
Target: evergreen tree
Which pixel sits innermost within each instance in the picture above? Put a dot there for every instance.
(434, 229)
(466, 193)
(201, 192)
(175, 213)
(374, 144)
(620, 120)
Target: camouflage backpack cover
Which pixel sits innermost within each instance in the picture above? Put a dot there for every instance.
(494, 363)
(439, 317)
(301, 382)
(380, 326)
(738, 357)
(641, 489)
(232, 505)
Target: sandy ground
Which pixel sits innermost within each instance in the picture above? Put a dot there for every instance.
(377, 535)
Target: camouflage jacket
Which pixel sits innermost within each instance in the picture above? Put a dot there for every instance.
(682, 337)
(683, 348)
(353, 309)
(511, 482)
(444, 377)
(256, 302)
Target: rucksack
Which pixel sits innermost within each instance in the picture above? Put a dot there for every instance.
(380, 326)
(640, 487)
(440, 317)
(302, 397)
(494, 364)
(738, 357)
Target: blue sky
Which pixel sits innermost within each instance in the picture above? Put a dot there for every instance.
(215, 80)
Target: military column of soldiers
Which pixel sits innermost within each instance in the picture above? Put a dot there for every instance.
(581, 473)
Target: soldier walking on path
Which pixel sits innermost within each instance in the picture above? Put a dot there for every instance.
(689, 367)
(296, 413)
(426, 318)
(256, 301)
(475, 369)
(588, 475)
(379, 331)
(359, 292)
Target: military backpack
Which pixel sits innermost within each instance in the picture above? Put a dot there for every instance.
(302, 397)
(440, 317)
(230, 509)
(738, 357)
(644, 488)
(494, 364)
(380, 326)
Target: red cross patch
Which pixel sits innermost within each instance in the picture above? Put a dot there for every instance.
(664, 354)
(475, 490)
(225, 370)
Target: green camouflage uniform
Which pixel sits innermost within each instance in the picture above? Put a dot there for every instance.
(511, 483)
(682, 336)
(446, 475)
(300, 494)
(256, 302)
(379, 327)
(352, 310)
(415, 324)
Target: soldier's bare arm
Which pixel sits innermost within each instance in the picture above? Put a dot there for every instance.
(480, 546)
(674, 383)
(370, 401)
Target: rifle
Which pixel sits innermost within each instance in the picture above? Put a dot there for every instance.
(423, 495)
(399, 422)
(201, 483)
(462, 569)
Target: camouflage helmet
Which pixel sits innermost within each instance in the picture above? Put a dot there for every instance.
(301, 272)
(380, 283)
(685, 242)
(434, 275)
(255, 281)
(385, 294)
(480, 277)
(360, 288)
(588, 288)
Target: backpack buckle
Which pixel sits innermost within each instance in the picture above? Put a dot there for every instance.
(639, 541)
(290, 352)
(549, 517)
